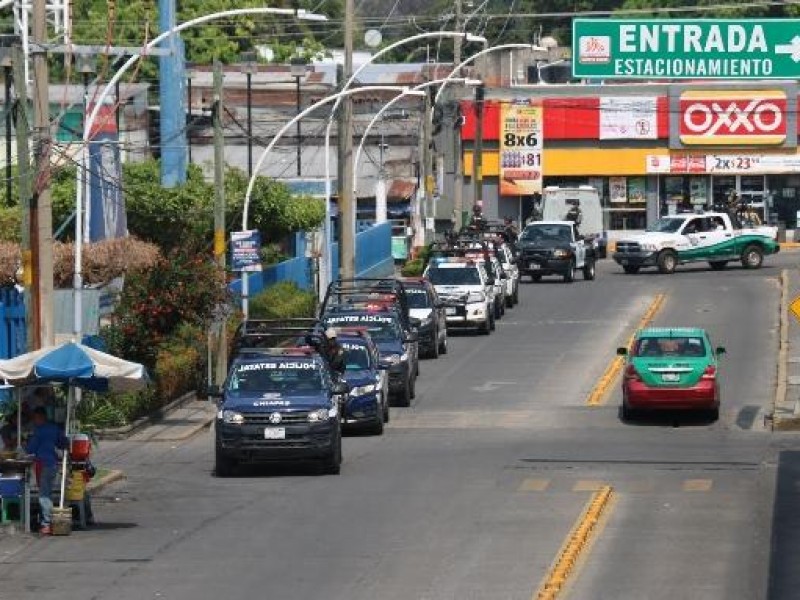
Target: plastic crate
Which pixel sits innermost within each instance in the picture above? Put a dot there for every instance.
(11, 486)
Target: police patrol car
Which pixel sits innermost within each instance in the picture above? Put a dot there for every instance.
(279, 404)
(466, 289)
(367, 404)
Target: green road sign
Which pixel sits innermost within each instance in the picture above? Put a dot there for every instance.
(686, 49)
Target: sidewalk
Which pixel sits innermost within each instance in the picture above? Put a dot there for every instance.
(786, 410)
(178, 424)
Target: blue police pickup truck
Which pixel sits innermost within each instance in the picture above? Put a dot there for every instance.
(279, 404)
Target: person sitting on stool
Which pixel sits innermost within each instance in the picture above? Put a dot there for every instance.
(44, 444)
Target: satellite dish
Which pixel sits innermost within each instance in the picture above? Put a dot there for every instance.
(373, 38)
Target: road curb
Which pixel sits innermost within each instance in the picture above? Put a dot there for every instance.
(779, 422)
(191, 432)
(112, 476)
(124, 432)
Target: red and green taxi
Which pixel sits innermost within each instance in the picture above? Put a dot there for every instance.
(673, 368)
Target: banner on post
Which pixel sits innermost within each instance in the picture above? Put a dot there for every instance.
(628, 118)
(246, 250)
(521, 133)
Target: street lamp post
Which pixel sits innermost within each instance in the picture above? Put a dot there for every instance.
(86, 66)
(297, 67)
(6, 63)
(251, 184)
(249, 67)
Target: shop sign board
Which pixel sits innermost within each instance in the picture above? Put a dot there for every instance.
(686, 48)
(794, 308)
(246, 250)
(521, 133)
(741, 117)
(722, 116)
(758, 164)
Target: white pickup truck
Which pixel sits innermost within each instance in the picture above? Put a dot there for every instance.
(709, 237)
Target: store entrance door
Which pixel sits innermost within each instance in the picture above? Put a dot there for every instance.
(750, 188)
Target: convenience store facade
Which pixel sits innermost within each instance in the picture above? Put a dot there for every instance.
(650, 149)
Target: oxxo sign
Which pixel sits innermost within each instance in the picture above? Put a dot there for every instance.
(733, 116)
(756, 117)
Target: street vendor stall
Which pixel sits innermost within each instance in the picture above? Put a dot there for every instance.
(79, 367)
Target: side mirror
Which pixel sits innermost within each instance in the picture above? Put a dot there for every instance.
(622, 351)
(720, 350)
(340, 387)
(411, 337)
(213, 391)
(415, 322)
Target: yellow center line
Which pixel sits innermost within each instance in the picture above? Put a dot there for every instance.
(599, 392)
(575, 544)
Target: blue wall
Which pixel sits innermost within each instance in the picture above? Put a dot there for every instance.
(12, 323)
(373, 259)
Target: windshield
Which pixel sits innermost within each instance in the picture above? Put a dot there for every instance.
(547, 233)
(666, 225)
(457, 276)
(276, 377)
(670, 346)
(417, 297)
(356, 358)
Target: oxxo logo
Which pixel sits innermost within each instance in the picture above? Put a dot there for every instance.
(755, 117)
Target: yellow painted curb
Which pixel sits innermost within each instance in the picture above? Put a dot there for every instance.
(576, 542)
(787, 245)
(600, 390)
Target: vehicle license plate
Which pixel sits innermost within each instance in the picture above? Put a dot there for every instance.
(535, 266)
(275, 433)
(670, 377)
(450, 310)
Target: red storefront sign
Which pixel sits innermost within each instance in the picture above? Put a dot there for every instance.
(741, 117)
(687, 163)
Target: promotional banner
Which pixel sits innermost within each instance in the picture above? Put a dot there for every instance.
(521, 132)
(246, 250)
(628, 118)
(618, 189)
(105, 206)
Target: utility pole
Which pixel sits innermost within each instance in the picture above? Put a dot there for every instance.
(477, 151)
(347, 200)
(41, 210)
(458, 183)
(219, 217)
(427, 168)
(22, 124)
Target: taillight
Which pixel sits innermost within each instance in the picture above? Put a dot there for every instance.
(709, 373)
(632, 374)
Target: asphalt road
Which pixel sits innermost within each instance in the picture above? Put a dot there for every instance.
(472, 491)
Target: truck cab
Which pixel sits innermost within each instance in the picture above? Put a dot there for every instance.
(558, 201)
(555, 248)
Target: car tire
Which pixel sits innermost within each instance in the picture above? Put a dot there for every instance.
(627, 413)
(403, 398)
(589, 270)
(443, 344)
(434, 353)
(387, 414)
(516, 294)
(718, 265)
(713, 414)
(492, 323)
(496, 310)
(536, 278)
(224, 466)
(510, 301)
(412, 387)
(569, 276)
(667, 262)
(630, 269)
(752, 257)
(332, 464)
(377, 424)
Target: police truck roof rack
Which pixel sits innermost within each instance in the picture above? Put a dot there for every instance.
(342, 291)
(286, 335)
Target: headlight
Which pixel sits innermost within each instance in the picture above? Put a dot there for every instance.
(562, 253)
(231, 417)
(396, 359)
(363, 389)
(315, 416)
(476, 297)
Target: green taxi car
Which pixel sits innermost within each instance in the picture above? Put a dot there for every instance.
(672, 368)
